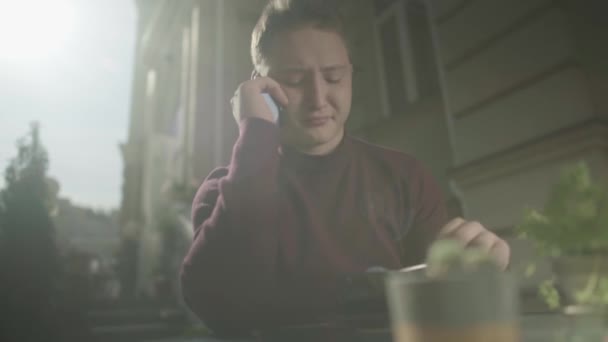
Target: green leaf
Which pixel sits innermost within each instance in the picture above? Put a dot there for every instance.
(549, 293)
(530, 270)
(574, 219)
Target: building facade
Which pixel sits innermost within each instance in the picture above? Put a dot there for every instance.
(495, 96)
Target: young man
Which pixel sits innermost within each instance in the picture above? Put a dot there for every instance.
(301, 203)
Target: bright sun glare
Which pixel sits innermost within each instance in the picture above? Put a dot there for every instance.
(34, 29)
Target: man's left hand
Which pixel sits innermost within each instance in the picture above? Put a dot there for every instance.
(474, 234)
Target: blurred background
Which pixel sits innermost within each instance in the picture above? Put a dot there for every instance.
(112, 113)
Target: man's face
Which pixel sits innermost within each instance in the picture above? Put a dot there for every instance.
(314, 69)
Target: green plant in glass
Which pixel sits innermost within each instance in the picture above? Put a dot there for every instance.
(573, 223)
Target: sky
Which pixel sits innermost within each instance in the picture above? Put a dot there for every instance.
(68, 64)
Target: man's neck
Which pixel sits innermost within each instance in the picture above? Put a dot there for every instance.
(321, 149)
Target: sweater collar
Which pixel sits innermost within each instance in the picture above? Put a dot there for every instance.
(340, 155)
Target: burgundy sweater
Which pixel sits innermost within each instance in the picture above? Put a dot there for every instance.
(276, 230)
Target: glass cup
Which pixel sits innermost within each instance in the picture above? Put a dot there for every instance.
(459, 307)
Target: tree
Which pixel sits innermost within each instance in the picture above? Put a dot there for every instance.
(28, 256)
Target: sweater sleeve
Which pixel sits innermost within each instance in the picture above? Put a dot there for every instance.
(427, 213)
(228, 275)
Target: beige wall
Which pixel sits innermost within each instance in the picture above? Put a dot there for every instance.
(224, 64)
(589, 25)
(523, 84)
(151, 149)
(220, 74)
(422, 130)
(516, 82)
(523, 97)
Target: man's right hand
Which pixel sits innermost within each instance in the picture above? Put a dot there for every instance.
(248, 101)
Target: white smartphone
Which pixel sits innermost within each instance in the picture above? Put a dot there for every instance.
(274, 108)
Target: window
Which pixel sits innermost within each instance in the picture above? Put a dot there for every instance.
(425, 66)
(393, 66)
(381, 5)
(407, 60)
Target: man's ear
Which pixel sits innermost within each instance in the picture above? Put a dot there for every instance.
(255, 74)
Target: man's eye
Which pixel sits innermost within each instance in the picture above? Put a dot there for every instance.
(292, 81)
(335, 79)
(334, 76)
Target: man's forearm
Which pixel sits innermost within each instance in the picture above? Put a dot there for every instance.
(229, 272)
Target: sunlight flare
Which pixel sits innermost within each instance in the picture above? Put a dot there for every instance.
(34, 29)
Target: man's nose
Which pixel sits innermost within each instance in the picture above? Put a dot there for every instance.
(317, 92)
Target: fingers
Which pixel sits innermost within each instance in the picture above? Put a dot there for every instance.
(464, 231)
(261, 85)
(474, 234)
(450, 227)
(502, 253)
(272, 87)
(484, 241)
(249, 102)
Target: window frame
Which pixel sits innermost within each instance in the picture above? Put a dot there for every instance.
(398, 11)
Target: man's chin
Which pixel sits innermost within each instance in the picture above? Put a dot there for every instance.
(311, 138)
(318, 138)
(313, 141)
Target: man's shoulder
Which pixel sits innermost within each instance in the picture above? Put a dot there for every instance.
(216, 174)
(210, 186)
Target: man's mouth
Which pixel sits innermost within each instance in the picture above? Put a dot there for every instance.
(316, 121)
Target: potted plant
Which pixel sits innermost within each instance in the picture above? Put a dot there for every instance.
(572, 231)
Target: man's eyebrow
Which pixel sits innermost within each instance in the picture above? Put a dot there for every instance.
(334, 67)
(291, 69)
(303, 69)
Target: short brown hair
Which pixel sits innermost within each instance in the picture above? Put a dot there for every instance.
(283, 15)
